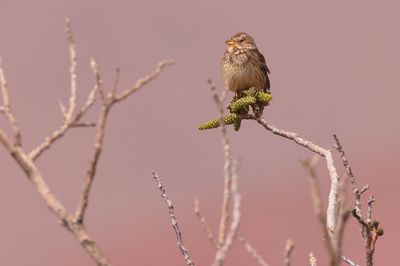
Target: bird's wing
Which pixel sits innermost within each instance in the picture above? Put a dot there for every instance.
(265, 70)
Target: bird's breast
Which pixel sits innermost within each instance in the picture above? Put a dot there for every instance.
(240, 74)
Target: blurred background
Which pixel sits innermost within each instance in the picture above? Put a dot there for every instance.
(334, 69)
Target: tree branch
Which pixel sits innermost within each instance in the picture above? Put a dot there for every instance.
(253, 252)
(174, 223)
(288, 251)
(204, 225)
(334, 190)
(370, 230)
(74, 223)
(232, 233)
(7, 110)
(143, 81)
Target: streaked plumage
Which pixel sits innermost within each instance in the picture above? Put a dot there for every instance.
(243, 66)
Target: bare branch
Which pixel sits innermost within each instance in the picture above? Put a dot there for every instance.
(84, 124)
(318, 207)
(91, 99)
(370, 230)
(78, 230)
(371, 200)
(349, 171)
(334, 190)
(143, 81)
(7, 110)
(204, 224)
(72, 118)
(288, 251)
(253, 252)
(91, 171)
(70, 122)
(115, 83)
(174, 223)
(348, 261)
(227, 165)
(232, 233)
(313, 259)
(73, 67)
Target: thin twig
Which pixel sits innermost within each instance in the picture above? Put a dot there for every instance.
(115, 83)
(233, 229)
(349, 171)
(371, 200)
(253, 252)
(73, 67)
(174, 223)
(143, 81)
(108, 102)
(227, 165)
(84, 124)
(313, 259)
(74, 223)
(334, 190)
(7, 110)
(203, 222)
(348, 261)
(70, 122)
(78, 230)
(318, 206)
(370, 230)
(91, 171)
(288, 251)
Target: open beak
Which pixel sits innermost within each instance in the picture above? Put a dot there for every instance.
(230, 42)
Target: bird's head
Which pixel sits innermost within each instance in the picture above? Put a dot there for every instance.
(241, 41)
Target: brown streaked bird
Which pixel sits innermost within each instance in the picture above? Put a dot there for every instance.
(243, 66)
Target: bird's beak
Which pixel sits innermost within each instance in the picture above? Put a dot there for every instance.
(230, 42)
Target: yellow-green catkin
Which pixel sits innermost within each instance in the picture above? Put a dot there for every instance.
(263, 97)
(242, 104)
(228, 119)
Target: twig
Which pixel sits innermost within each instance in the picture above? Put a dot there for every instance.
(318, 207)
(91, 171)
(73, 67)
(371, 200)
(204, 224)
(253, 252)
(174, 223)
(68, 121)
(143, 81)
(334, 190)
(78, 230)
(116, 81)
(333, 241)
(227, 165)
(313, 259)
(84, 124)
(349, 171)
(232, 233)
(7, 110)
(288, 251)
(74, 223)
(348, 261)
(108, 102)
(370, 230)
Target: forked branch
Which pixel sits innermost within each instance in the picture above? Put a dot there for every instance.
(72, 118)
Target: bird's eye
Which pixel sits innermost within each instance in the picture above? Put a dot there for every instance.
(241, 40)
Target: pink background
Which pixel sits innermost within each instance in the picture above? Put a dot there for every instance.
(335, 69)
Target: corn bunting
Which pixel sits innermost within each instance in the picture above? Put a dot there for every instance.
(243, 66)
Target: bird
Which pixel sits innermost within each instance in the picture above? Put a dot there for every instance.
(243, 66)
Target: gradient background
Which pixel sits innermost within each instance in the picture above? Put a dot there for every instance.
(335, 69)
